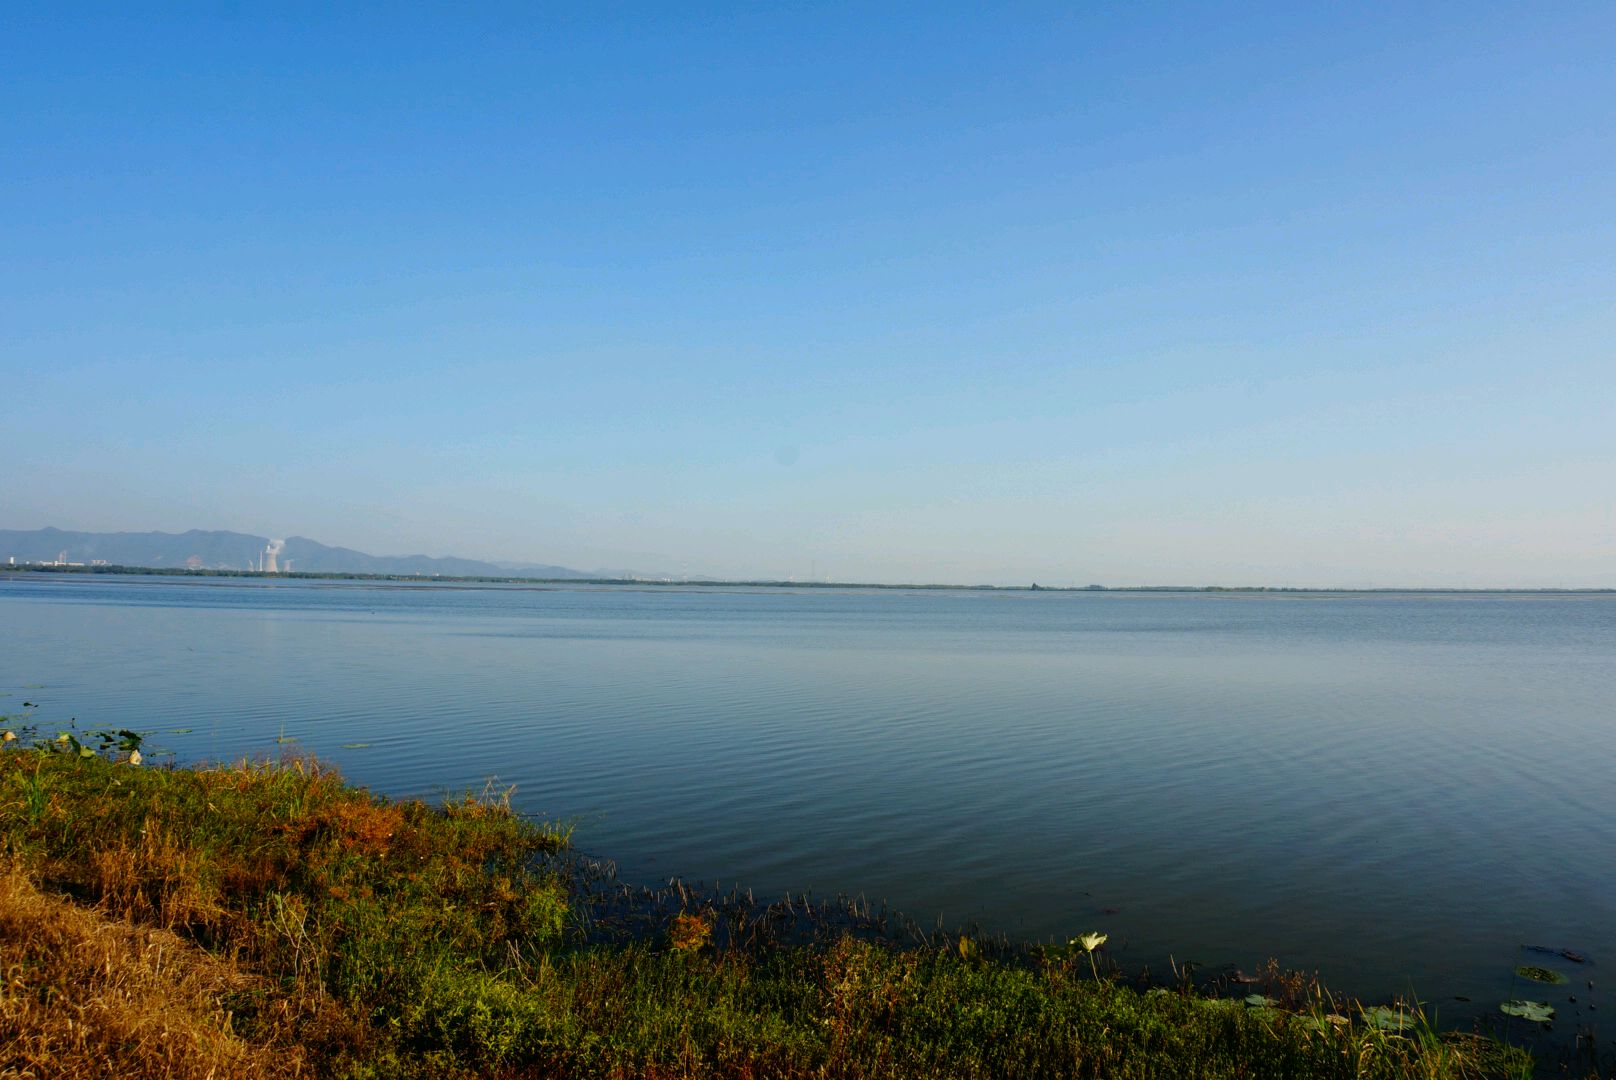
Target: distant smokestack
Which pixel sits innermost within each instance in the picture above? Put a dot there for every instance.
(272, 556)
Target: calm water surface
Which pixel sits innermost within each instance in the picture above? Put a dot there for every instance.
(1392, 789)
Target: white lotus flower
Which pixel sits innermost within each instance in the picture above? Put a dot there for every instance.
(1090, 941)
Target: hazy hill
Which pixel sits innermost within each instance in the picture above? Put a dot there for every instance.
(216, 550)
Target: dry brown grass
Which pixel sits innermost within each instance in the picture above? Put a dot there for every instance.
(154, 881)
(85, 995)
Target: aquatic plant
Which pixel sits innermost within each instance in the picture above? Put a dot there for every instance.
(1541, 974)
(1089, 942)
(115, 743)
(1539, 1011)
(1386, 1018)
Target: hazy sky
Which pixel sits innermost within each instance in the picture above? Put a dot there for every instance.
(1294, 294)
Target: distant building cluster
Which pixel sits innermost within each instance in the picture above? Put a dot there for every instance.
(60, 560)
(268, 561)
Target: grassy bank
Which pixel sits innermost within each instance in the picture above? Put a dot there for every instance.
(271, 920)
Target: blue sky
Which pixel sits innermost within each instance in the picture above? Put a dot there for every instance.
(1291, 294)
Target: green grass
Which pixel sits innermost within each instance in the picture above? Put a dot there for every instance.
(370, 938)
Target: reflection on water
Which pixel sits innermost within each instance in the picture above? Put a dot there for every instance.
(1388, 788)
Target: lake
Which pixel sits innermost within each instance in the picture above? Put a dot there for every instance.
(1394, 789)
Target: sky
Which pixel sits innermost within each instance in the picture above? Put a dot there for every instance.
(1128, 294)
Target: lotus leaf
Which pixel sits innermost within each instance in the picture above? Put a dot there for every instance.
(1388, 1019)
(1539, 1011)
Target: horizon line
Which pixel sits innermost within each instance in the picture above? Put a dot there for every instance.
(783, 583)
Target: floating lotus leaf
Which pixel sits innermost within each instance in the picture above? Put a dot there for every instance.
(1259, 1001)
(355, 745)
(1539, 1011)
(1542, 975)
(1388, 1019)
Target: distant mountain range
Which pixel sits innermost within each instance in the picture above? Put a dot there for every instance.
(214, 550)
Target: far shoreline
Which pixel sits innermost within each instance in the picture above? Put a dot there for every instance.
(10, 571)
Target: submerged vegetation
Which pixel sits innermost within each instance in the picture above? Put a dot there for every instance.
(1541, 974)
(268, 919)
